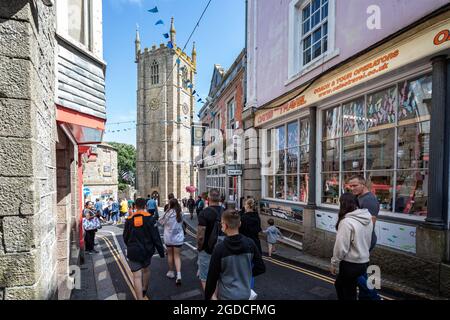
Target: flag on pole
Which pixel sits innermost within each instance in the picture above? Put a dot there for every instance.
(170, 45)
(166, 35)
(154, 10)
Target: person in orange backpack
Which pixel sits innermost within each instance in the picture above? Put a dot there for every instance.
(141, 236)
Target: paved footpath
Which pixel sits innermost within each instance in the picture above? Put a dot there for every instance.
(106, 275)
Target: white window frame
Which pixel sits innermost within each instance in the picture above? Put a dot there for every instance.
(63, 29)
(231, 120)
(264, 177)
(295, 61)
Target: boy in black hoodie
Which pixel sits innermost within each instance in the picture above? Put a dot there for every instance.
(141, 237)
(231, 262)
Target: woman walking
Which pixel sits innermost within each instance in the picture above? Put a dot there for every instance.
(251, 223)
(172, 220)
(351, 250)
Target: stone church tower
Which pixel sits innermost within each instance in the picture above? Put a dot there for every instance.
(165, 112)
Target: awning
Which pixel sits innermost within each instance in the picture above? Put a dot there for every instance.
(85, 129)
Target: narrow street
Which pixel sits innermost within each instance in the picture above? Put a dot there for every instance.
(283, 280)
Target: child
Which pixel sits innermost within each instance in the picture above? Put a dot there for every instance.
(273, 234)
(141, 236)
(233, 262)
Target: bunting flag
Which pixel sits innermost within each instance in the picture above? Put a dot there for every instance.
(178, 61)
(199, 100)
(170, 45)
(166, 35)
(194, 92)
(154, 10)
(190, 85)
(159, 22)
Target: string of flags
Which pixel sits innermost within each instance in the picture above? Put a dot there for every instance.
(170, 45)
(119, 130)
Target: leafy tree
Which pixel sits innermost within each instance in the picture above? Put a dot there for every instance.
(126, 157)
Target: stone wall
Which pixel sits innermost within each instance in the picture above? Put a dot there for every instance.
(96, 178)
(27, 151)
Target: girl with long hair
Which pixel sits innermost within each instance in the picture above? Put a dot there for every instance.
(351, 249)
(172, 220)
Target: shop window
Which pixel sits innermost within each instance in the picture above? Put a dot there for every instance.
(381, 108)
(415, 99)
(287, 178)
(385, 137)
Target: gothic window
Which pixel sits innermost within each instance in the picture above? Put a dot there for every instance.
(155, 177)
(155, 73)
(185, 78)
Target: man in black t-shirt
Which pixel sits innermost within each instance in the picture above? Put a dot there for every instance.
(206, 221)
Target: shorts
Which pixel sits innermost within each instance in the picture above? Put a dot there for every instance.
(135, 266)
(122, 214)
(203, 265)
(174, 246)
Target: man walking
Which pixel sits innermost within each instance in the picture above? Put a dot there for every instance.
(233, 263)
(199, 205)
(366, 200)
(141, 236)
(208, 226)
(191, 206)
(151, 206)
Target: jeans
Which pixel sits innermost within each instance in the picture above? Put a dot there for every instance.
(364, 292)
(114, 216)
(347, 279)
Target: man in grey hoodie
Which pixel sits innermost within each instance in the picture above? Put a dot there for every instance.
(351, 249)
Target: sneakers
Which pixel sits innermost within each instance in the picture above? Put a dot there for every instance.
(170, 275)
(253, 295)
(178, 281)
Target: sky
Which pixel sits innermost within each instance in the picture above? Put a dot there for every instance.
(219, 38)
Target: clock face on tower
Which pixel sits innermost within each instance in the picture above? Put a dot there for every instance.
(185, 109)
(154, 104)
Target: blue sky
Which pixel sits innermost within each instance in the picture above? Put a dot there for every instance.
(219, 38)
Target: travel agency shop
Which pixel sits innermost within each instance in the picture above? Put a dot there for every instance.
(382, 115)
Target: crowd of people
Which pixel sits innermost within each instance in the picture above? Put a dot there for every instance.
(228, 241)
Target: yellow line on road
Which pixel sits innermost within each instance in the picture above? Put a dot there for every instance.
(301, 270)
(308, 272)
(119, 264)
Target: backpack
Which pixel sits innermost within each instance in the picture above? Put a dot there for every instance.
(216, 232)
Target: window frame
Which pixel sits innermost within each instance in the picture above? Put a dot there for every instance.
(273, 150)
(295, 47)
(231, 121)
(396, 125)
(154, 73)
(62, 27)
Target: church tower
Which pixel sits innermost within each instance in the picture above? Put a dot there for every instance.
(165, 113)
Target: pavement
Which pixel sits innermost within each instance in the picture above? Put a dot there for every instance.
(290, 274)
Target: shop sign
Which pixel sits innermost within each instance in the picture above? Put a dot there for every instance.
(442, 37)
(234, 170)
(234, 173)
(419, 46)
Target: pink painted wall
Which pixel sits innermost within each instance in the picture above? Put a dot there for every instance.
(352, 36)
